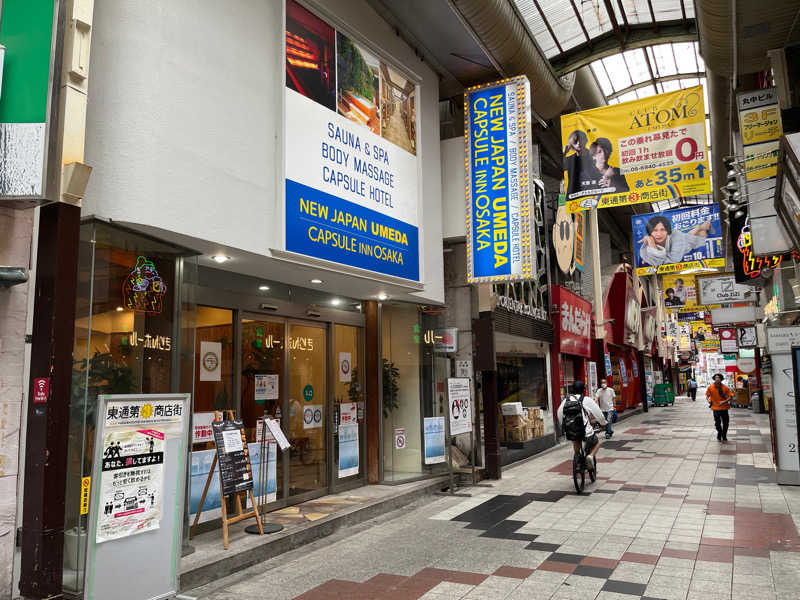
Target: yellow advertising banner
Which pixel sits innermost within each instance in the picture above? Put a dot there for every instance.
(680, 293)
(634, 152)
(761, 128)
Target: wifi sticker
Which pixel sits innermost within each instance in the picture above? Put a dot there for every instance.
(41, 389)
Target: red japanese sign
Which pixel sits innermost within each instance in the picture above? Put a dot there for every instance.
(572, 322)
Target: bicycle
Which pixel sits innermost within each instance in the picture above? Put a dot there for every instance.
(579, 468)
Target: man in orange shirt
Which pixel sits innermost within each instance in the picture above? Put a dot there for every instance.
(718, 396)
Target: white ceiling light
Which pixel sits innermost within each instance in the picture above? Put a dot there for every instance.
(220, 258)
(263, 288)
(382, 296)
(120, 309)
(336, 302)
(316, 281)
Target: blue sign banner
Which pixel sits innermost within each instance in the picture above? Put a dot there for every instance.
(327, 227)
(677, 240)
(497, 180)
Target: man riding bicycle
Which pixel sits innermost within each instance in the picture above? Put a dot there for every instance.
(575, 416)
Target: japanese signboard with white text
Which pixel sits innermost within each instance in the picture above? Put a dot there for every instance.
(761, 129)
(640, 151)
(573, 323)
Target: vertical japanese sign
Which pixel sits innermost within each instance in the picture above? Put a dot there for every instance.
(572, 328)
(579, 235)
(132, 470)
(639, 151)
(497, 137)
(761, 129)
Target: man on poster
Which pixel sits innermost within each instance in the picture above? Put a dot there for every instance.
(664, 244)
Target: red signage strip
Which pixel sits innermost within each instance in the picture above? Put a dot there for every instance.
(572, 319)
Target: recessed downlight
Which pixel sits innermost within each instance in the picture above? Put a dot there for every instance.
(263, 288)
(220, 258)
(382, 296)
(316, 281)
(120, 309)
(336, 302)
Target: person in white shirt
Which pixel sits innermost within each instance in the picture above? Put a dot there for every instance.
(591, 411)
(605, 400)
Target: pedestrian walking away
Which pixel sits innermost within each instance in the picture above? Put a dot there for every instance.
(605, 400)
(692, 387)
(718, 396)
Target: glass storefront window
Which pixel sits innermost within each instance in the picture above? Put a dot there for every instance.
(522, 379)
(131, 321)
(214, 325)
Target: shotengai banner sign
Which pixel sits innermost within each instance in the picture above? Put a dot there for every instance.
(352, 189)
(498, 204)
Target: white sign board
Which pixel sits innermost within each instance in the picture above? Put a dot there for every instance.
(274, 427)
(400, 439)
(733, 314)
(724, 290)
(459, 398)
(201, 427)
(312, 416)
(783, 403)
(746, 336)
(781, 339)
(434, 440)
(139, 477)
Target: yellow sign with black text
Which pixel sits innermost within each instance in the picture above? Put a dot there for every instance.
(634, 152)
(86, 486)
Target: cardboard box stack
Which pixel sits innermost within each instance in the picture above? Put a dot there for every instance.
(520, 424)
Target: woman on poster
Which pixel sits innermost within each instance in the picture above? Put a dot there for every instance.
(662, 245)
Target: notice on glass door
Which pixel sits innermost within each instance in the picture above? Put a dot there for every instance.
(348, 450)
(266, 387)
(434, 440)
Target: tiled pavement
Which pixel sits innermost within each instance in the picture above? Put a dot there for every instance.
(674, 515)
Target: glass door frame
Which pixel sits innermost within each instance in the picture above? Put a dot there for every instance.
(282, 499)
(353, 481)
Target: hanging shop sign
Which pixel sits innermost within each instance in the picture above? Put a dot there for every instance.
(641, 151)
(579, 236)
(746, 336)
(499, 202)
(572, 321)
(734, 314)
(459, 399)
(787, 187)
(746, 265)
(677, 240)
(352, 189)
(761, 129)
(727, 340)
(746, 364)
(26, 34)
(433, 438)
(723, 289)
(680, 293)
(781, 339)
(564, 238)
(446, 340)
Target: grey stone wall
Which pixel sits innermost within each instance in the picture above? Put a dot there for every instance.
(16, 228)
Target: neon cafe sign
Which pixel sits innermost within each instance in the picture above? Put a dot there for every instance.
(143, 289)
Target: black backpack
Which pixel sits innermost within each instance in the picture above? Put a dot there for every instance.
(574, 425)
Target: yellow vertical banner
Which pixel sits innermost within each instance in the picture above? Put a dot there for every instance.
(633, 152)
(761, 128)
(579, 234)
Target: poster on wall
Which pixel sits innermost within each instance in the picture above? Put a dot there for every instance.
(498, 141)
(352, 190)
(210, 361)
(459, 399)
(677, 240)
(761, 128)
(680, 293)
(348, 450)
(132, 483)
(640, 151)
(434, 440)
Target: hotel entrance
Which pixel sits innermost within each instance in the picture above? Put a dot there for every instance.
(300, 366)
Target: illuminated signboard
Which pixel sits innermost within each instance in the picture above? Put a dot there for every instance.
(143, 289)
